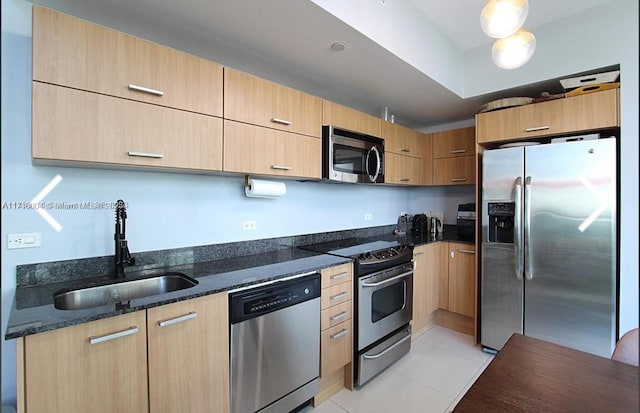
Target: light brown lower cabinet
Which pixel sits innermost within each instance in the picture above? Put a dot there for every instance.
(336, 331)
(99, 366)
(186, 370)
(457, 286)
(430, 262)
(173, 358)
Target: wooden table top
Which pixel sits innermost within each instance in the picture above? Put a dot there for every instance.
(530, 375)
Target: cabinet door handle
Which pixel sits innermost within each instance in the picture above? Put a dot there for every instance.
(466, 251)
(339, 296)
(405, 179)
(339, 316)
(415, 254)
(405, 150)
(100, 339)
(145, 154)
(281, 121)
(179, 319)
(281, 167)
(458, 179)
(338, 276)
(458, 151)
(537, 128)
(340, 334)
(146, 90)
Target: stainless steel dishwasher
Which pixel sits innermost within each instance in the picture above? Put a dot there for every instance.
(275, 344)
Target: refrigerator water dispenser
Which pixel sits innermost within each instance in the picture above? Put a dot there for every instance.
(501, 216)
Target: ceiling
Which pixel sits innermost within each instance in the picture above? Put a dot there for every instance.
(288, 41)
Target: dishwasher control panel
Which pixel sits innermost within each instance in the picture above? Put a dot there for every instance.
(265, 298)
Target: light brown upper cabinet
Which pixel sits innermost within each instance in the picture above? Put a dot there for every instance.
(258, 150)
(260, 102)
(78, 126)
(404, 170)
(454, 143)
(351, 119)
(454, 161)
(402, 140)
(582, 113)
(75, 53)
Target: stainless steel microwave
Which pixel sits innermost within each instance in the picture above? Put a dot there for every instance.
(349, 156)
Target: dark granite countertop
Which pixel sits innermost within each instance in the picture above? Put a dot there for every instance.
(33, 310)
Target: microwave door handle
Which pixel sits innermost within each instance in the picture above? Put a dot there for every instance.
(374, 177)
(517, 247)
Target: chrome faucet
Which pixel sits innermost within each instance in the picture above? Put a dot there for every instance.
(123, 256)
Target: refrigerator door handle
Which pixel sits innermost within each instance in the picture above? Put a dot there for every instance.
(528, 271)
(517, 238)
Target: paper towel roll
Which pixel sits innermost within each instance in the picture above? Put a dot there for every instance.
(264, 189)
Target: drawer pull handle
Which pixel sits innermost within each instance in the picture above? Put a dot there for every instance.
(405, 179)
(145, 154)
(415, 254)
(338, 276)
(339, 316)
(180, 319)
(146, 90)
(100, 339)
(537, 128)
(458, 151)
(340, 334)
(339, 296)
(458, 179)
(281, 167)
(466, 251)
(405, 150)
(281, 121)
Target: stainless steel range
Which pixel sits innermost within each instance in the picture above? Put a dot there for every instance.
(383, 301)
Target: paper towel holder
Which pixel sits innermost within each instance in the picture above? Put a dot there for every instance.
(247, 189)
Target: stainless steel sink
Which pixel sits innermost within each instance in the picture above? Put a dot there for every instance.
(121, 292)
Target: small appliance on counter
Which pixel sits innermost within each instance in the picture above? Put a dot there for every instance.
(436, 220)
(405, 223)
(420, 226)
(466, 223)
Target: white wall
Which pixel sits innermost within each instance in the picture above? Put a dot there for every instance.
(166, 210)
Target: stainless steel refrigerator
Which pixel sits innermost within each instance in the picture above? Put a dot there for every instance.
(549, 244)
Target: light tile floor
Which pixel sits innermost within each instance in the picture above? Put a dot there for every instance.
(433, 377)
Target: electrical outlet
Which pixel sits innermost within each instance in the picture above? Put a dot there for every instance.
(368, 217)
(28, 240)
(248, 225)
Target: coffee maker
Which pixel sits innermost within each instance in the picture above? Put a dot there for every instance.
(420, 225)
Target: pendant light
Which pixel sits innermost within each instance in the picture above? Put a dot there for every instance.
(513, 51)
(502, 18)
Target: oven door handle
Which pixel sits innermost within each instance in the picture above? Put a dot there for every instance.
(388, 280)
(388, 349)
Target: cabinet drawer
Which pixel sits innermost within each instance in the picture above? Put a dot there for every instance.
(335, 315)
(72, 52)
(259, 150)
(335, 295)
(453, 143)
(260, 102)
(336, 348)
(404, 170)
(336, 275)
(74, 125)
(582, 113)
(454, 171)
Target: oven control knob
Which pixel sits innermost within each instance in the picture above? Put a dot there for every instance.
(306, 291)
